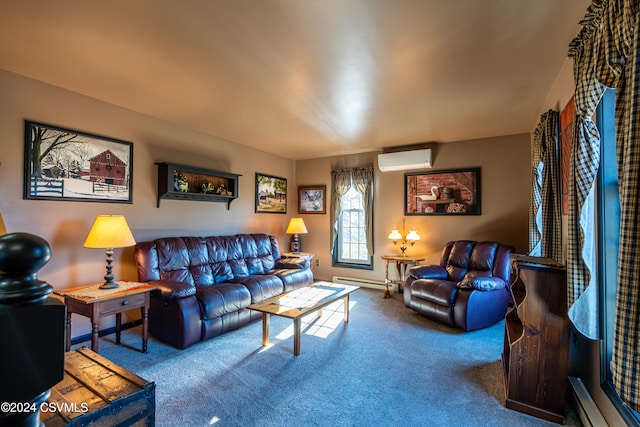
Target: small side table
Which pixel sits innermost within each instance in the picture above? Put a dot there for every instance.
(94, 303)
(304, 255)
(402, 262)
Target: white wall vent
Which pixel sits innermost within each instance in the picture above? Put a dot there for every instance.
(405, 160)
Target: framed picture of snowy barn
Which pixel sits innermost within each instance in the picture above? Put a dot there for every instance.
(65, 164)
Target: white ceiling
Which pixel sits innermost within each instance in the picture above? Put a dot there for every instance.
(303, 78)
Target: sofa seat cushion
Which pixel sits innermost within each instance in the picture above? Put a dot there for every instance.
(294, 279)
(220, 299)
(442, 292)
(261, 287)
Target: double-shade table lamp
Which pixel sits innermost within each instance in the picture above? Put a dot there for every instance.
(296, 227)
(108, 232)
(403, 240)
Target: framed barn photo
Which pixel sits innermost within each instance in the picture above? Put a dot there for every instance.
(447, 192)
(65, 164)
(312, 199)
(271, 194)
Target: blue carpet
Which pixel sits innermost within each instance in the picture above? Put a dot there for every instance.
(388, 366)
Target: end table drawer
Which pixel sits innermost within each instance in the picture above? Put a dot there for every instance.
(117, 305)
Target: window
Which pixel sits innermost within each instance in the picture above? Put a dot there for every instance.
(352, 218)
(608, 231)
(352, 240)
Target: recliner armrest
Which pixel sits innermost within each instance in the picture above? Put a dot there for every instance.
(294, 263)
(429, 272)
(169, 289)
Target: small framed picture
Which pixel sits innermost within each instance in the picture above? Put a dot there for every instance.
(312, 199)
(271, 194)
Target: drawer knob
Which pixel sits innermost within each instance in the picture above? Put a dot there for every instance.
(125, 302)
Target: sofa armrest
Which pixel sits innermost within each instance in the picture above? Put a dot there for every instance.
(482, 283)
(169, 289)
(429, 272)
(292, 263)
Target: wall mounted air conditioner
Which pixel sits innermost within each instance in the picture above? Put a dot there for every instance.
(405, 160)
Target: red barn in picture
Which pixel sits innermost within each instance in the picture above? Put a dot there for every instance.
(107, 168)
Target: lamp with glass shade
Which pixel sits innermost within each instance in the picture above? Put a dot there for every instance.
(403, 240)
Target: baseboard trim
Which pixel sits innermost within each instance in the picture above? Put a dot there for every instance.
(103, 332)
(584, 405)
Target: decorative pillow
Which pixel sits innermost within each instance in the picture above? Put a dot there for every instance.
(482, 283)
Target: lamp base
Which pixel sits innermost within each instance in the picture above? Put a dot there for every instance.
(109, 285)
(108, 278)
(295, 244)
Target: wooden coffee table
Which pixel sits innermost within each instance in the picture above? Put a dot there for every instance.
(296, 304)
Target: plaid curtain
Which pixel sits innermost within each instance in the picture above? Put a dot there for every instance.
(584, 162)
(545, 226)
(607, 50)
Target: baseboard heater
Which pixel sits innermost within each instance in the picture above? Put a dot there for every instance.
(583, 403)
(365, 283)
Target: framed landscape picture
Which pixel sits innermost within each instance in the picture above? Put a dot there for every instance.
(65, 164)
(271, 194)
(312, 199)
(449, 192)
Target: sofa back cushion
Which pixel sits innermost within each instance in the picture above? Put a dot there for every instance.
(469, 259)
(458, 259)
(206, 260)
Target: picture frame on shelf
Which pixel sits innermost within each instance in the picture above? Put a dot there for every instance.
(271, 194)
(312, 199)
(66, 164)
(445, 192)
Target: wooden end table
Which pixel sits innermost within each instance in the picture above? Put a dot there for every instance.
(94, 303)
(402, 262)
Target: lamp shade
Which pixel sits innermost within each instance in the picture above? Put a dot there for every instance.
(109, 231)
(296, 226)
(413, 235)
(395, 235)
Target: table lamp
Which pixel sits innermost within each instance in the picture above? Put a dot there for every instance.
(3, 229)
(400, 238)
(108, 232)
(296, 227)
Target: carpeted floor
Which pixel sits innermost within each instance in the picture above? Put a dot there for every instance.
(388, 366)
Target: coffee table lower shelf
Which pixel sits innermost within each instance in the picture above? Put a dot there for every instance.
(296, 304)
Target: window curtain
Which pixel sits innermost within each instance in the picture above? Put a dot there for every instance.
(606, 53)
(363, 184)
(545, 222)
(362, 181)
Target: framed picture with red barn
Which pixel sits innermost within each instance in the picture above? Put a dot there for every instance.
(448, 192)
(65, 164)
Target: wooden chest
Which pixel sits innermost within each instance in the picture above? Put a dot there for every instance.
(97, 392)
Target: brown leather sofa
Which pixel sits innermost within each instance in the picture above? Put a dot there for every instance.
(469, 289)
(206, 283)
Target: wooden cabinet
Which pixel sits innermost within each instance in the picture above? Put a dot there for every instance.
(182, 182)
(536, 342)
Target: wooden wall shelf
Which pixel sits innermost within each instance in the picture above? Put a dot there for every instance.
(536, 342)
(180, 182)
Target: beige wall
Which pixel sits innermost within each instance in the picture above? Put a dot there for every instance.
(505, 171)
(65, 224)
